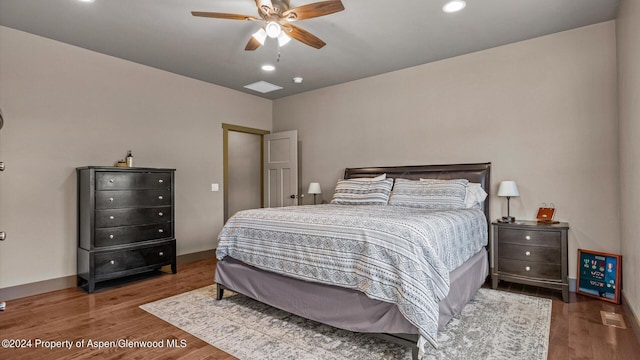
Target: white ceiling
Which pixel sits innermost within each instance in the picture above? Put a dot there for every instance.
(369, 37)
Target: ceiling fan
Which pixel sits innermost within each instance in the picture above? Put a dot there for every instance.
(278, 17)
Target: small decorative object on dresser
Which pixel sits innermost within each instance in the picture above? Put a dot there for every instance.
(125, 222)
(529, 253)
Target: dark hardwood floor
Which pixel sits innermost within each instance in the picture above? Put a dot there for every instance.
(73, 315)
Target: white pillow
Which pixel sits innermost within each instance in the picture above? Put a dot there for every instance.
(475, 196)
(377, 178)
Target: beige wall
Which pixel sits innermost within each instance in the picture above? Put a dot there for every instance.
(628, 35)
(543, 111)
(67, 107)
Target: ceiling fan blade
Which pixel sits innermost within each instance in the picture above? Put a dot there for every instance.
(252, 44)
(304, 36)
(223, 15)
(313, 10)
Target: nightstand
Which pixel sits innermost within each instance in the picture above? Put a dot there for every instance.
(529, 253)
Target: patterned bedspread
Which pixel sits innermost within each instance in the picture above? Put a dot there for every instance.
(391, 253)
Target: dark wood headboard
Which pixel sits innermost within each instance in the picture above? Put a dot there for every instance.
(477, 173)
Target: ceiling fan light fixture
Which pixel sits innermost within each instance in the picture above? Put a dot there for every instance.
(260, 35)
(283, 39)
(273, 29)
(268, 67)
(454, 6)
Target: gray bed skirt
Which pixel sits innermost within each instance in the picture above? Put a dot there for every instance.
(346, 308)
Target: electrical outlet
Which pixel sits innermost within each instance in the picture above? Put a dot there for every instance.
(215, 187)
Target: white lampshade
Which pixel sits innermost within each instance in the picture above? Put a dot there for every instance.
(260, 35)
(283, 39)
(508, 188)
(314, 188)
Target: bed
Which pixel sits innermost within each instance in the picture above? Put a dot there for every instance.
(389, 306)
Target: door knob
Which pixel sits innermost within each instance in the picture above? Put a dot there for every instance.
(1, 165)
(3, 235)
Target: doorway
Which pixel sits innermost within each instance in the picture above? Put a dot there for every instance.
(243, 168)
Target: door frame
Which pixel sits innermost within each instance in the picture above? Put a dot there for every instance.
(225, 161)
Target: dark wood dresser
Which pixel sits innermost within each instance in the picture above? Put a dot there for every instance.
(529, 253)
(125, 222)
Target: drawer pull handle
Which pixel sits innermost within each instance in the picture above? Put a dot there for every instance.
(160, 181)
(110, 199)
(528, 253)
(528, 237)
(112, 262)
(160, 197)
(160, 214)
(528, 268)
(111, 217)
(111, 181)
(111, 236)
(160, 230)
(161, 253)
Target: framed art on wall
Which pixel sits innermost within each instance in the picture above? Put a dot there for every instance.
(599, 275)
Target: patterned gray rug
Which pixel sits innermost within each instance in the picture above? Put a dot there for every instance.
(496, 325)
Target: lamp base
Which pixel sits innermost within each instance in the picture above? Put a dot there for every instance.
(509, 219)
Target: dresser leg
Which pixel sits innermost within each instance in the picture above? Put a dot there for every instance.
(174, 267)
(494, 282)
(565, 294)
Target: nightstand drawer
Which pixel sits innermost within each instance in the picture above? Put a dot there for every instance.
(530, 237)
(529, 253)
(531, 269)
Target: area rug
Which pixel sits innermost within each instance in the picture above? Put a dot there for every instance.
(495, 325)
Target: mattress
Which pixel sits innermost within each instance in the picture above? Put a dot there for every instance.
(392, 254)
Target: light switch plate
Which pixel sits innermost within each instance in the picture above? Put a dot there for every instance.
(215, 187)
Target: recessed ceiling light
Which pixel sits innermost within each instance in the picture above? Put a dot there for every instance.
(454, 6)
(86, 0)
(268, 67)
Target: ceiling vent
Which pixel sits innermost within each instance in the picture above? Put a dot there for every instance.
(263, 87)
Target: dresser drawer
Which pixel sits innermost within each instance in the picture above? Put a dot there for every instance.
(132, 198)
(132, 216)
(131, 234)
(530, 237)
(529, 253)
(122, 260)
(132, 181)
(530, 269)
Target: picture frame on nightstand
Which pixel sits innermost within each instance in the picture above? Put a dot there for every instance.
(599, 275)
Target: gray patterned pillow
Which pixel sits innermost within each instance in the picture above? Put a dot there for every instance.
(430, 194)
(354, 192)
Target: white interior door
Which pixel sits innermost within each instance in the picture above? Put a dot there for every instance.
(281, 169)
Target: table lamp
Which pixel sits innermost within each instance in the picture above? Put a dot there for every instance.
(508, 189)
(314, 188)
